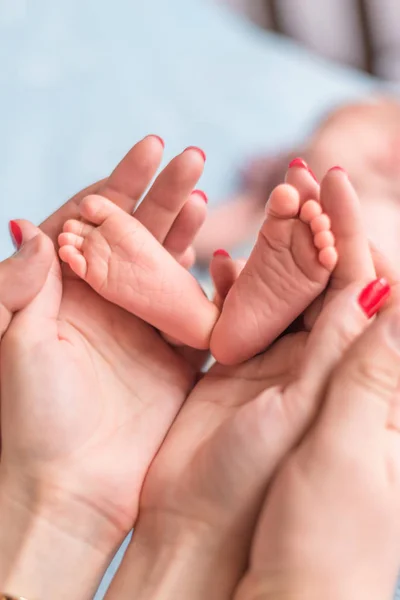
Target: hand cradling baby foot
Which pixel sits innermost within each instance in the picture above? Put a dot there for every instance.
(126, 259)
(138, 262)
(192, 489)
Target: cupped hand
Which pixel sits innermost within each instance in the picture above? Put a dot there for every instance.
(330, 522)
(88, 390)
(206, 486)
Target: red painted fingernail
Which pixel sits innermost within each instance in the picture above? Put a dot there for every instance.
(299, 162)
(159, 139)
(202, 194)
(373, 296)
(16, 234)
(199, 150)
(312, 174)
(337, 168)
(221, 252)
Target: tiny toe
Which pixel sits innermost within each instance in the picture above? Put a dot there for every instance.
(328, 257)
(283, 203)
(74, 259)
(97, 209)
(310, 210)
(324, 239)
(321, 223)
(77, 227)
(71, 239)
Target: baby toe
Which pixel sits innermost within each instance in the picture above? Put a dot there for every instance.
(320, 223)
(71, 239)
(283, 203)
(328, 257)
(97, 209)
(324, 239)
(310, 211)
(77, 227)
(74, 258)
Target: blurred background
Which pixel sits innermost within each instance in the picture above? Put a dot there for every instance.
(252, 82)
(81, 81)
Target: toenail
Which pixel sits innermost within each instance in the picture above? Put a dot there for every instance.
(159, 139)
(221, 252)
(373, 296)
(16, 234)
(202, 195)
(199, 150)
(299, 162)
(337, 168)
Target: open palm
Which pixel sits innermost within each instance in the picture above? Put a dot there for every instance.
(106, 386)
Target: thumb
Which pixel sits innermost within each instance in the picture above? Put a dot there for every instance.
(23, 275)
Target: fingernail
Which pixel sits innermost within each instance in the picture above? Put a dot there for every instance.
(221, 252)
(159, 139)
(199, 150)
(16, 234)
(201, 194)
(299, 162)
(337, 168)
(373, 296)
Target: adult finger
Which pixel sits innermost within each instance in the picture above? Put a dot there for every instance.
(340, 323)
(125, 186)
(23, 275)
(130, 179)
(363, 396)
(224, 272)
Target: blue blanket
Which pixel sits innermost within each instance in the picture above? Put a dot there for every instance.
(80, 81)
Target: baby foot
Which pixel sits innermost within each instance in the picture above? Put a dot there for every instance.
(125, 263)
(289, 267)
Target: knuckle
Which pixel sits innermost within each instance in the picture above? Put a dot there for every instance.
(348, 333)
(375, 376)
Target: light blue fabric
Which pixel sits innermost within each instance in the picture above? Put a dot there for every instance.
(81, 80)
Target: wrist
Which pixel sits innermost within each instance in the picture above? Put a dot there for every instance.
(50, 545)
(168, 559)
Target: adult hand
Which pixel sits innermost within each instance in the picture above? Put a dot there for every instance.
(22, 276)
(219, 437)
(330, 525)
(206, 486)
(88, 394)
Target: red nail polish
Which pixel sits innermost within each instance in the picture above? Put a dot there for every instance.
(201, 194)
(373, 296)
(221, 252)
(159, 139)
(312, 174)
(16, 234)
(337, 168)
(199, 150)
(299, 162)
